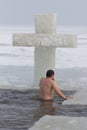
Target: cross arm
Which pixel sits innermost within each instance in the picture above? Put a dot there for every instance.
(55, 40)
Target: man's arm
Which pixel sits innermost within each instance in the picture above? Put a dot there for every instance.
(58, 91)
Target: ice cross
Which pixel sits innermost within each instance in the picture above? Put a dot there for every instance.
(45, 40)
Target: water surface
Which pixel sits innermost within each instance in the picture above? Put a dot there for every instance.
(19, 110)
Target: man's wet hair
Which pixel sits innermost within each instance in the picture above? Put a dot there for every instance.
(49, 73)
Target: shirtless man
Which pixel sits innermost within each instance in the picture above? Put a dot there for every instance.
(48, 86)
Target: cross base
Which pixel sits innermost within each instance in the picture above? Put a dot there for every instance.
(44, 60)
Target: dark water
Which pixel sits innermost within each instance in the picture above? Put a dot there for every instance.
(19, 110)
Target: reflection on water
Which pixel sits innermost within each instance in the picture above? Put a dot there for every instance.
(19, 110)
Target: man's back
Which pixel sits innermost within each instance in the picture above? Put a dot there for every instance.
(48, 86)
(46, 89)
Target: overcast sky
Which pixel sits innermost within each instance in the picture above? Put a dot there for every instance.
(21, 12)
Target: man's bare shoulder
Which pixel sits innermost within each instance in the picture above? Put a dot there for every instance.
(43, 78)
(53, 82)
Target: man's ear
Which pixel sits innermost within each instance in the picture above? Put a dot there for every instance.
(53, 77)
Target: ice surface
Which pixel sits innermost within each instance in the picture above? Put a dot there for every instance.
(79, 98)
(60, 123)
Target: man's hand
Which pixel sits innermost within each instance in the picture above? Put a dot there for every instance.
(68, 97)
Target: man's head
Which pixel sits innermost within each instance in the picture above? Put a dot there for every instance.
(49, 74)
